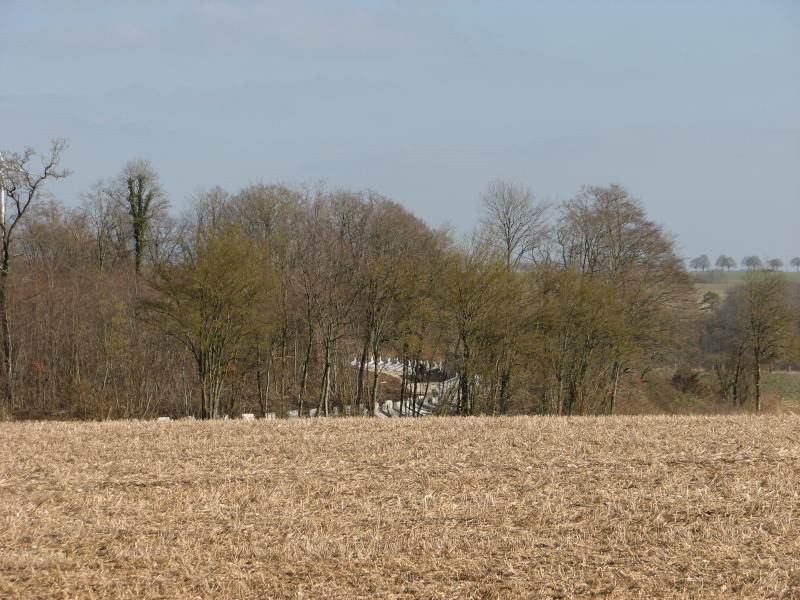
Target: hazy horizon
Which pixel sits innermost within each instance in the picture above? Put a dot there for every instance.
(693, 106)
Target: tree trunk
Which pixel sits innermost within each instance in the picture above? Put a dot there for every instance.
(138, 245)
(374, 393)
(414, 386)
(403, 381)
(265, 406)
(5, 331)
(505, 392)
(304, 376)
(617, 371)
(262, 398)
(757, 379)
(216, 388)
(204, 396)
(361, 369)
(282, 383)
(463, 406)
(736, 376)
(326, 380)
(418, 407)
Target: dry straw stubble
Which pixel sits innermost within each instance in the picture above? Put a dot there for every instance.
(404, 508)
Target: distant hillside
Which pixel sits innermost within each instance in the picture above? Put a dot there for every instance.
(731, 277)
(720, 282)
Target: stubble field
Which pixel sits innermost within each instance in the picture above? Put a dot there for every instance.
(694, 507)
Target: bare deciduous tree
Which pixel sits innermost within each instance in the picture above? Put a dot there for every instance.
(701, 263)
(108, 223)
(767, 322)
(725, 262)
(22, 181)
(513, 221)
(752, 262)
(775, 264)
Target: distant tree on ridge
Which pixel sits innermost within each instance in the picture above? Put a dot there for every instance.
(701, 263)
(775, 264)
(725, 262)
(751, 263)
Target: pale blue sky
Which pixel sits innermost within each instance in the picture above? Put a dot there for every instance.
(694, 105)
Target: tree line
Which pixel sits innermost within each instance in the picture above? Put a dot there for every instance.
(277, 299)
(749, 263)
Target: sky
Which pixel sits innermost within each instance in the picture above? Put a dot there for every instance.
(693, 106)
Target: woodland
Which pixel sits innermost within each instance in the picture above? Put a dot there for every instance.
(276, 299)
